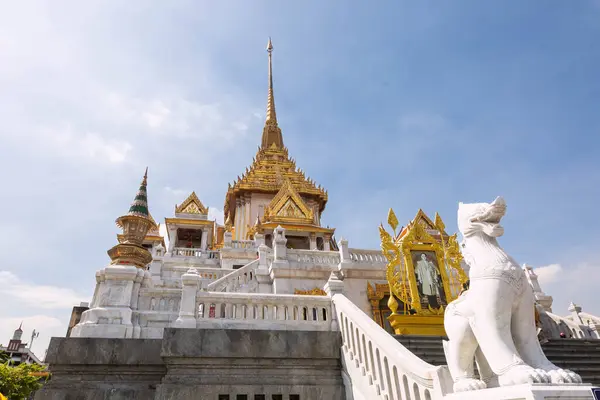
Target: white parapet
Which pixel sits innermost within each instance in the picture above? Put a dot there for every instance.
(263, 311)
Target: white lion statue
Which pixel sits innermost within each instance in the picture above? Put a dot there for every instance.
(493, 321)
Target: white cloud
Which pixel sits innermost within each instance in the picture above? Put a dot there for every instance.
(177, 192)
(69, 144)
(215, 213)
(40, 296)
(548, 273)
(45, 325)
(571, 283)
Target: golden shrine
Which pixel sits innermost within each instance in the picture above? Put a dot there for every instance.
(424, 275)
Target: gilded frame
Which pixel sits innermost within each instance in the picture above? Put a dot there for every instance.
(400, 269)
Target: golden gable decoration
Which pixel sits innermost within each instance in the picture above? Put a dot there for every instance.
(423, 272)
(288, 206)
(191, 205)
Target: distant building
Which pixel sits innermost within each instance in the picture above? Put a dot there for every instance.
(76, 315)
(18, 351)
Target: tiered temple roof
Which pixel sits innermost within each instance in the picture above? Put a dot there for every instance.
(272, 167)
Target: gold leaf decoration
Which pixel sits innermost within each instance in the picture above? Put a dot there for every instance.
(439, 224)
(392, 220)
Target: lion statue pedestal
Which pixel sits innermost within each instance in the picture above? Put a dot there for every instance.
(492, 323)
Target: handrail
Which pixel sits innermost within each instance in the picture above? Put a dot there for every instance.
(239, 276)
(378, 364)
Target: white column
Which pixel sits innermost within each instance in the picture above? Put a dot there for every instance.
(203, 240)
(237, 219)
(247, 214)
(326, 243)
(312, 241)
(172, 238)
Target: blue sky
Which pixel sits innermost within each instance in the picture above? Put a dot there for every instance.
(405, 104)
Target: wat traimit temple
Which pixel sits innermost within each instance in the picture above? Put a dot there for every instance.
(271, 306)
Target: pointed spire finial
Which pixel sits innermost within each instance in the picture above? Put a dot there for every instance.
(271, 131)
(139, 206)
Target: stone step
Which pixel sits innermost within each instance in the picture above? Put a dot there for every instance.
(581, 356)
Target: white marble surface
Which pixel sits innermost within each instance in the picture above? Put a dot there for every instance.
(528, 392)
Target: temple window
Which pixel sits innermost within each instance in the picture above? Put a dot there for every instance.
(320, 245)
(189, 238)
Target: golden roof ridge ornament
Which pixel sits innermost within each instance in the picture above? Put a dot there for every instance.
(271, 133)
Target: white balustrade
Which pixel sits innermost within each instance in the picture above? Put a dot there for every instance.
(243, 244)
(367, 256)
(166, 300)
(194, 252)
(238, 279)
(380, 367)
(568, 327)
(316, 257)
(263, 311)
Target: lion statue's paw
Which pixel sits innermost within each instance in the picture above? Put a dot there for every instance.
(467, 384)
(564, 376)
(521, 374)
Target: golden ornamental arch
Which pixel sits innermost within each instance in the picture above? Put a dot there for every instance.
(423, 271)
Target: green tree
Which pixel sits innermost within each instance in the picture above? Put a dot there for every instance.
(4, 357)
(17, 383)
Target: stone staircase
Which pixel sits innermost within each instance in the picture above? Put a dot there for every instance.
(578, 355)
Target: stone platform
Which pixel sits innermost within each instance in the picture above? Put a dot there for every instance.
(197, 364)
(528, 392)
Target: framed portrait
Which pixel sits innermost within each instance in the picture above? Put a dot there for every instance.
(429, 279)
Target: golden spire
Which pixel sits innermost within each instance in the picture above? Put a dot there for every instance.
(135, 224)
(271, 132)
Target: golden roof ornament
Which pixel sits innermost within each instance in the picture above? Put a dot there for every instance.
(272, 166)
(271, 133)
(135, 224)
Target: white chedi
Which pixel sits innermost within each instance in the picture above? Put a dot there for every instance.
(493, 321)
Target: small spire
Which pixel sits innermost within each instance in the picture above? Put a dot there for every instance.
(139, 206)
(271, 132)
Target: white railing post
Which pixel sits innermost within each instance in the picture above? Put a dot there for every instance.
(187, 311)
(334, 286)
(259, 240)
(262, 272)
(227, 238)
(279, 244)
(345, 261)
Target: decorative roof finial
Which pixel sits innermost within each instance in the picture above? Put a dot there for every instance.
(271, 132)
(139, 206)
(135, 224)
